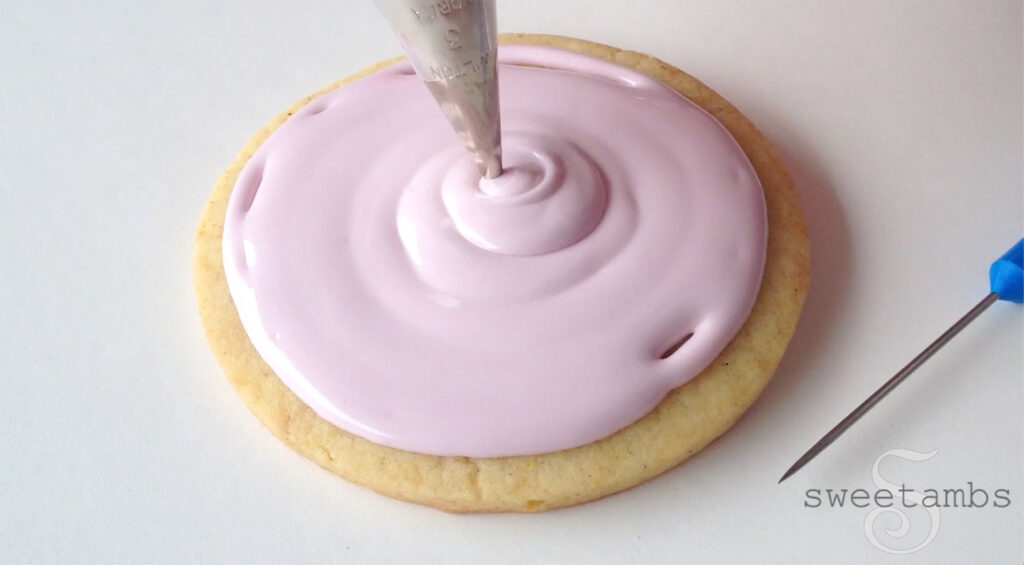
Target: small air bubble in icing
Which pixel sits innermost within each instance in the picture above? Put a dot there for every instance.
(249, 185)
(675, 346)
(316, 108)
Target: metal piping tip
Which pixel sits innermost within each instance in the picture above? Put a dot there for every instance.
(452, 44)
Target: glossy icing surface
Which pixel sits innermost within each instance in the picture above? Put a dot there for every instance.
(409, 302)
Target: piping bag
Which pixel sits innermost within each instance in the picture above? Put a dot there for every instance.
(453, 46)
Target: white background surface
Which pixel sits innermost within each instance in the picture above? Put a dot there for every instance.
(901, 122)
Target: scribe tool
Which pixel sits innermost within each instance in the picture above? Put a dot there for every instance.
(453, 47)
(1006, 279)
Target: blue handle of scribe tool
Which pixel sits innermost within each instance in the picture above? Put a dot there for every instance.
(1006, 276)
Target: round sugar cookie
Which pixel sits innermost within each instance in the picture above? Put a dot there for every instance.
(685, 421)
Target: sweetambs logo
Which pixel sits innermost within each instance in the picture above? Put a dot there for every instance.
(904, 519)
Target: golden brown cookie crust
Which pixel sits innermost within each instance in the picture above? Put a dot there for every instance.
(687, 419)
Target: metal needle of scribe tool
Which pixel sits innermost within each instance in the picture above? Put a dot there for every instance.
(1006, 279)
(453, 47)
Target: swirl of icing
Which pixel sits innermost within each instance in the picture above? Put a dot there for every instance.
(411, 302)
(551, 197)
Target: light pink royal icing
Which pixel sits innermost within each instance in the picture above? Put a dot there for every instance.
(410, 303)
